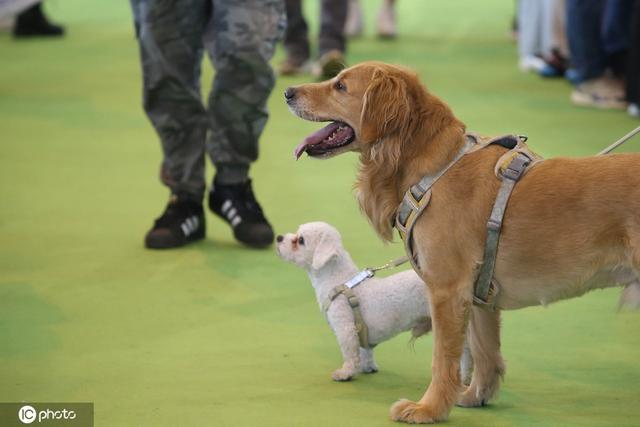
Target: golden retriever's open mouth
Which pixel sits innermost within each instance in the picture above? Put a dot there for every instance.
(324, 141)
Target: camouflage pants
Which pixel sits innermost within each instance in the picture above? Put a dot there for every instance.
(240, 38)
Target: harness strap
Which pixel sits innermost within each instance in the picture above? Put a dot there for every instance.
(354, 303)
(486, 288)
(346, 289)
(418, 196)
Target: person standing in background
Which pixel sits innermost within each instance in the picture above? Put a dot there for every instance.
(542, 40)
(385, 26)
(633, 64)
(240, 38)
(534, 33)
(598, 33)
(331, 40)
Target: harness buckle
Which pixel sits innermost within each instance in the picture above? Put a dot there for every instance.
(490, 302)
(353, 301)
(516, 167)
(494, 225)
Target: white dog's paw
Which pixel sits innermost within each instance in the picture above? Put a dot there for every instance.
(343, 374)
(370, 368)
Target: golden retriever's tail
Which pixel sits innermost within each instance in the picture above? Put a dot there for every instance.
(630, 297)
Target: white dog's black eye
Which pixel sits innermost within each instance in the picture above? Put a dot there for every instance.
(340, 86)
(301, 240)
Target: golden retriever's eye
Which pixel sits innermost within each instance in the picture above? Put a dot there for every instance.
(340, 86)
(301, 240)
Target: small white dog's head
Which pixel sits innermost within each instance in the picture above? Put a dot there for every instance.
(311, 247)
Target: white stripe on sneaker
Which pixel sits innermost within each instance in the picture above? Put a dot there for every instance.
(189, 225)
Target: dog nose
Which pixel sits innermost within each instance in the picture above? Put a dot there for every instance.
(279, 238)
(290, 93)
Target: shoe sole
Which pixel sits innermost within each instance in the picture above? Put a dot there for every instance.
(159, 244)
(584, 100)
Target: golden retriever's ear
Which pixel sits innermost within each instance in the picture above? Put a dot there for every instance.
(386, 108)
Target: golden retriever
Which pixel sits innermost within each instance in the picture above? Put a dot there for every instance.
(572, 225)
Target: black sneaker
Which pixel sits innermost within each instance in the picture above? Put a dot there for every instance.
(182, 222)
(33, 22)
(236, 204)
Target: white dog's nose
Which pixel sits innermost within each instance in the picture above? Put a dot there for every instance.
(279, 238)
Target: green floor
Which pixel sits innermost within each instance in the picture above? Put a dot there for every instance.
(218, 335)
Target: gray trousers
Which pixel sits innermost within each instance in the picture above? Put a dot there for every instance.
(240, 38)
(535, 21)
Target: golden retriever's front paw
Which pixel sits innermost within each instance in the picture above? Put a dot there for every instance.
(411, 412)
(343, 374)
(471, 399)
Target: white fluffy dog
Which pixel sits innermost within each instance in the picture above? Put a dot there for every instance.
(388, 306)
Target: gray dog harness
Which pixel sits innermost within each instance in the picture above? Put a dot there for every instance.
(509, 169)
(346, 289)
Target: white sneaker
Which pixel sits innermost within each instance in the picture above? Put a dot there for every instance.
(531, 63)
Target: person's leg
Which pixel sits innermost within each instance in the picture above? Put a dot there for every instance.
(559, 28)
(387, 28)
(615, 33)
(333, 15)
(589, 59)
(584, 23)
(238, 106)
(169, 35)
(546, 27)
(529, 39)
(633, 63)
(171, 53)
(296, 39)
(556, 50)
(354, 24)
(332, 40)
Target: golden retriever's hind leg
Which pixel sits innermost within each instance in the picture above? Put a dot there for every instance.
(484, 340)
(448, 311)
(630, 297)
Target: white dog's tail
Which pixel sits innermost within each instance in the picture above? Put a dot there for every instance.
(422, 328)
(630, 297)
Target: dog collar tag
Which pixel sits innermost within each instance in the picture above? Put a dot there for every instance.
(359, 278)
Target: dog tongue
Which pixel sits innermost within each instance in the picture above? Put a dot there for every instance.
(315, 138)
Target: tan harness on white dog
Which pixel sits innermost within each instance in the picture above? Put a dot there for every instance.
(346, 289)
(509, 169)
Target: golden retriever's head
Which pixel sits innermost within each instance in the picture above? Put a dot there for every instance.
(384, 113)
(367, 105)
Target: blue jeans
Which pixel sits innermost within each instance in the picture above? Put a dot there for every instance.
(597, 31)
